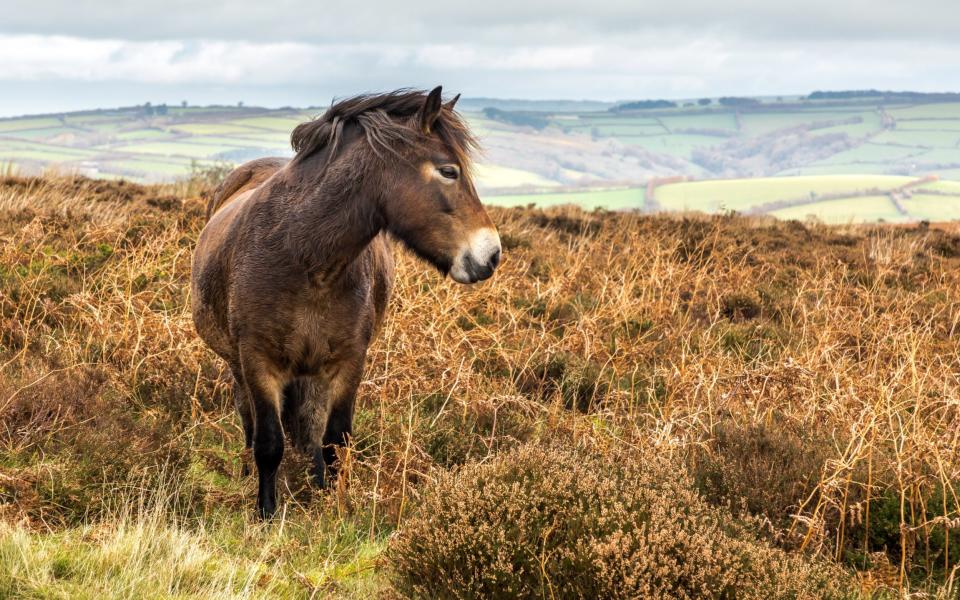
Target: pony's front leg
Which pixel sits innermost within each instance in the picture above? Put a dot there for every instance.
(265, 391)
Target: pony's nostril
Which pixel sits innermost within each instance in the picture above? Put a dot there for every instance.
(494, 260)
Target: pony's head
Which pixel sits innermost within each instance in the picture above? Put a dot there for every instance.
(417, 160)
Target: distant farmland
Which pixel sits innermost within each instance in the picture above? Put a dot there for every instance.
(850, 159)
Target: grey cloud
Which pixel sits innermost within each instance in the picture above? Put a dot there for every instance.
(298, 52)
(494, 22)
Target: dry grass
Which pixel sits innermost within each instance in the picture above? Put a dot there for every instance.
(807, 375)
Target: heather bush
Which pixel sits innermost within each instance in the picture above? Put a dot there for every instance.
(554, 523)
(770, 468)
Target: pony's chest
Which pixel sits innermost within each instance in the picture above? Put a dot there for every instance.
(321, 338)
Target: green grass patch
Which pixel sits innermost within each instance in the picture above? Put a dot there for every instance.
(154, 555)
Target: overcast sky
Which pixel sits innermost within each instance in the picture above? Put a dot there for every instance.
(70, 54)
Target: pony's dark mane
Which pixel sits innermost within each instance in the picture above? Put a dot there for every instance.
(387, 120)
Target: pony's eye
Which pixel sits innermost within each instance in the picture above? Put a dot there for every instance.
(450, 172)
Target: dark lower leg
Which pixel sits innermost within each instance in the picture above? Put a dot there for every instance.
(268, 452)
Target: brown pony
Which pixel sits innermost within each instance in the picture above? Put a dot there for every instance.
(292, 273)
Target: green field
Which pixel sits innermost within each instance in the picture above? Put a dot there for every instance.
(274, 123)
(627, 199)
(8, 125)
(507, 177)
(933, 207)
(711, 120)
(760, 123)
(744, 194)
(929, 139)
(925, 111)
(680, 145)
(145, 134)
(187, 149)
(848, 210)
(870, 153)
(929, 125)
(947, 187)
(141, 167)
(792, 149)
(213, 128)
(853, 198)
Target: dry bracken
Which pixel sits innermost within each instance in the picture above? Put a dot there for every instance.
(805, 375)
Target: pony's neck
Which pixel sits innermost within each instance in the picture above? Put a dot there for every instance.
(333, 214)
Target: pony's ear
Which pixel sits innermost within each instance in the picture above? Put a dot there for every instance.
(452, 103)
(430, 110)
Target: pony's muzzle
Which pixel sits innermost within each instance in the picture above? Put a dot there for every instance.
(478, 259)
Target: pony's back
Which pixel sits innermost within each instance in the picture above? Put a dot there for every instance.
(247, 176)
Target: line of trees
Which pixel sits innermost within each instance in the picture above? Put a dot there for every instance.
(885, 95)
(150, 110)
(738, 101)
(643, 105)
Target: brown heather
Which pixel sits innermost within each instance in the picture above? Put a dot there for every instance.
(806, 376)
(536, 523)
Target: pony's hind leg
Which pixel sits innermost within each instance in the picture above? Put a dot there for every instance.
(304, 418)
(308, 424)
(343, 393)
(265, 393)
(241, 401)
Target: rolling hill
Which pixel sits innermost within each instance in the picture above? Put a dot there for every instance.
(836, 156)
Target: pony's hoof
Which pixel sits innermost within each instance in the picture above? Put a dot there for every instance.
(319, 479)
(265, 512)
(246, 457)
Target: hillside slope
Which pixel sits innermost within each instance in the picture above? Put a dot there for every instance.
(804, 377)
